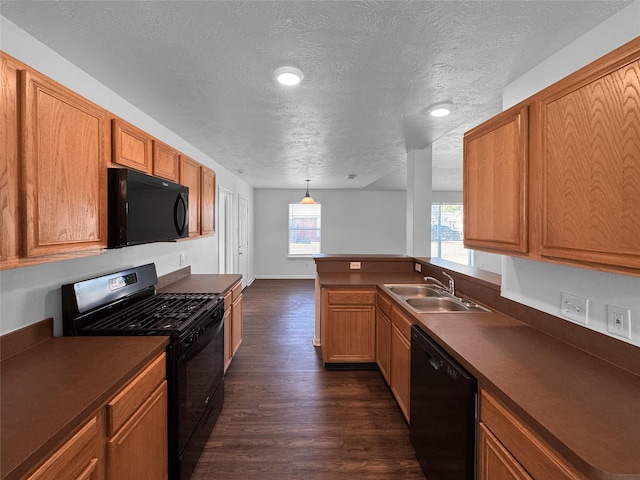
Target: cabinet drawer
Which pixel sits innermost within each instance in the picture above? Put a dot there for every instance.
(402, 322)
(384, 304)
(351, 297)
(123, 405)
(236, 291)
(228, 300)
(495, 461)
(533, 453)
(76, 459)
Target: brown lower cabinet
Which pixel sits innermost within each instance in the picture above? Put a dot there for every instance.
(349, 331)
(383, 344)
(393, 351)
(127, 438)
(77, 459)
(232, 322)
(508, 449)
(494, 459)
(400, 383)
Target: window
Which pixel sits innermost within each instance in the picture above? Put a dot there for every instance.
(304, 229)
(446, 233)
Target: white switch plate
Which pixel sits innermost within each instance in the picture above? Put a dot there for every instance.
(354, 265)
(417, 267)
(574, 308)
(619, 321)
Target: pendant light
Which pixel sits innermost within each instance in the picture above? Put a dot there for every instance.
(307, 200)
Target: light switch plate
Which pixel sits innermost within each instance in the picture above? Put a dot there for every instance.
(574, 308)
(417, 267)
(354, 265)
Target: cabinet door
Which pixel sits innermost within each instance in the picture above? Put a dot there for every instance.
(236, 324)
(401, 370)
(65, 152)
(587, 151)
(208, 195)
(383, 344)
(495, 183)
(190, 177)
(350, 334)
(9, 165)
(139, 449)
(77, 459)
(131, 146)
(494, 461)
(166, 161)
(227, 336)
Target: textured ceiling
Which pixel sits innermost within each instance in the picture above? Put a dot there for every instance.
(204, 69)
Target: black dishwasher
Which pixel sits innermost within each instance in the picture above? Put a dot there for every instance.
(443, 411)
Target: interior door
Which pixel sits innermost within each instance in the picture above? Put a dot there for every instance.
(225, 231)
(243, 239)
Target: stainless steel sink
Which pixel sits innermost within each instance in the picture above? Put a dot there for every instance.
(418, 290)
(442, 304)
(427, 298)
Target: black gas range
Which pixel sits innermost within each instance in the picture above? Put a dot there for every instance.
(126, 303)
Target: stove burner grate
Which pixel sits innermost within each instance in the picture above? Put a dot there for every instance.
(162, 311)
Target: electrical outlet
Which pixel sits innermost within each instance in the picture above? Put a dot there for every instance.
(574, 308)
(183, 258)
(619, 321)
(354, 265)
(417, 267)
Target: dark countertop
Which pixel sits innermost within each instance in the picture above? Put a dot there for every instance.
(587, 409)
(49, 390)
(202, 283)
(53, 385)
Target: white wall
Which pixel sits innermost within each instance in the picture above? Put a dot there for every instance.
(540, 284)
(353, 221)
(30, 294)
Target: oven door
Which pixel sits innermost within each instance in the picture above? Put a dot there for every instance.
(200, 376)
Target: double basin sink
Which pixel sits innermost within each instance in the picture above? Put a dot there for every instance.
(428, 298)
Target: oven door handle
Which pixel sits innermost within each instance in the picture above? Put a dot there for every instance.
(199, 339)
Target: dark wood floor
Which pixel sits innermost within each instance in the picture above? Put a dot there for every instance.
(285, 417)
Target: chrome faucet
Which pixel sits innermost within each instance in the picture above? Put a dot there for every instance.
(451, 288)
(452, 284)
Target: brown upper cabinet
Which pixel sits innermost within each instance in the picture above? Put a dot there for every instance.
(166, 161)
(583, 180)
(65, 150)
(57, 147)
(132, 147)
(190, 177)
(208, 196)
(586, 174)
(9, 154)
(495, 183)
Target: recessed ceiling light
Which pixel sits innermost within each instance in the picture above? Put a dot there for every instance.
(288, 75)
(441, 109)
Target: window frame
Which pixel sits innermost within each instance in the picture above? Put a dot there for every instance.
(291, 230)
(439, 240)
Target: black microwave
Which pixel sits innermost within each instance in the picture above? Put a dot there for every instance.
(145, 209)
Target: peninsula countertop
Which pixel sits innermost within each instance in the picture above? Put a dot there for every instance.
(586, 408)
